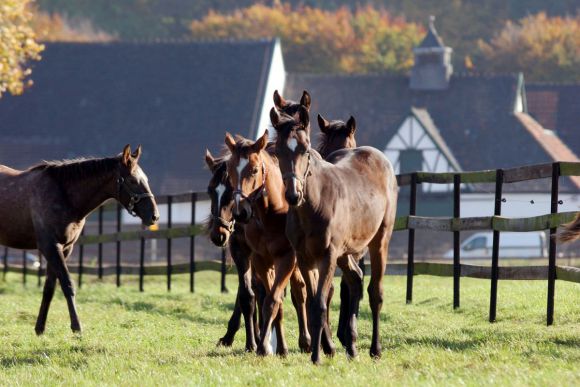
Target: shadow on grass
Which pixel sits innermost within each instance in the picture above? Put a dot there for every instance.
(76, 357)
(443, 343)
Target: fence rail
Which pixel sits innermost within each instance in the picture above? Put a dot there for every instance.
(411, 223)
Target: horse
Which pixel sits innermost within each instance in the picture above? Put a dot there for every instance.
(571, 231)
(222, 226)
(224, 230)
(255, 175)
(45, 208)
(337, 209)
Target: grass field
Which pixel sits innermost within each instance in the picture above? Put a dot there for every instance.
(156, 337)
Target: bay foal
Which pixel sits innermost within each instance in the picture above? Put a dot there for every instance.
(337, 209)
(45, 208)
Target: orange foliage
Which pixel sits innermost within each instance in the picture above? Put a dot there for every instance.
(316, 40)
(545, 48)
(56, 28)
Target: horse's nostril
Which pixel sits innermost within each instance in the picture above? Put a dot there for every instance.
(155, 218)
(222, 238)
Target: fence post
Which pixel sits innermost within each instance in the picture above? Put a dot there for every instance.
(118, 252)
(5, 259)
(24, 267)
(411, 240)
(169, 205)
(39, 268)
(81, 256)
(192, 246)
(141, 264)
(495, 248)
(456, 240)
(100, 245)
(223, 281)
(552, 253)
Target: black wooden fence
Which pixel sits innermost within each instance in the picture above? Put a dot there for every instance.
(456, 224)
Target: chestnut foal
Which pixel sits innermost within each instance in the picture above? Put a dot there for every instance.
(336, 210)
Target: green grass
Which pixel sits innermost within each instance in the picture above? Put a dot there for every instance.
(156, 337)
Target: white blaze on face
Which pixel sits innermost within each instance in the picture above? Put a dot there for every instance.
(220, 189)
(292, 144)
(240, 168)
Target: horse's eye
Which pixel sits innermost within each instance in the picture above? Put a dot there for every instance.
(254, 171)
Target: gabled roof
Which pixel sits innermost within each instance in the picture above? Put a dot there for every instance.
(557, 107)
(175, 99)
(475, 116)
(422, 115)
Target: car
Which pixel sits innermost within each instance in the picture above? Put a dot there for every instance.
(531, 244)
(14, 258)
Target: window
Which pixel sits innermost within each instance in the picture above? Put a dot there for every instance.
(411, 160)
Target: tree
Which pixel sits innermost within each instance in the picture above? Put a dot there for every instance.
(17, 45)
(544, 48)
(57, 28)
(315, 40)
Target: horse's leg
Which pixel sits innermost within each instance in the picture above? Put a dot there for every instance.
(352, 275)
(328, 346)
(378, 249)
(298, 292)
(260, 293)
(233, 324)
(272, 304)
(318, 308)
(342, 317)
(47, 294)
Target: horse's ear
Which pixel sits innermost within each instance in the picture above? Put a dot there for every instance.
(304, 117)
(323, 124)
(230, 142)
(209, 160)
(126, 155)
(305, 100)
(135, 155)
(279, 101)
(351, 125)
(261, 142)
(274, 117)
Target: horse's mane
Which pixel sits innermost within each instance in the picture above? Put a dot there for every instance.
(77, 169)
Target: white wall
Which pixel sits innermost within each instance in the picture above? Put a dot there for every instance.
(276, 81)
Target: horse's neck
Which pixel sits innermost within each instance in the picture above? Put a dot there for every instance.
(312, 189)
(273, 200)
(86, 194)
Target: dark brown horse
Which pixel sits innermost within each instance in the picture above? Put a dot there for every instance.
(45, 208)
(224, 230)
(338, 209)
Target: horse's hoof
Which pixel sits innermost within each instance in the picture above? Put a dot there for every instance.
(351, 352)
(250, 348)
(39, 331)
(315, 360)
(283, 352)
(76, 328)
(264, 351)
(304, 345)
(376, 352)
(225, 342)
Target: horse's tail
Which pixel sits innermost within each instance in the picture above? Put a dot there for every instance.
(571, 231)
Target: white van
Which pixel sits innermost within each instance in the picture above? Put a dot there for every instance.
(531, 244)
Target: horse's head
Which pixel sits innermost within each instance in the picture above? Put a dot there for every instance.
(247, 173)
(290, 107)
(293, 150)
(221, 224)
(336, 135)
(134, 192)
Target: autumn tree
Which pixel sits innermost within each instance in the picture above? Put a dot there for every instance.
(544, 48)
(316, 40)
(17, 45)
(58, 28)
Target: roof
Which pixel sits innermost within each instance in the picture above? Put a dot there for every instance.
(475, 116)
(557, 107)
(432, 39)
(175, 99)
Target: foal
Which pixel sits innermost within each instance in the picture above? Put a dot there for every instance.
(255, 175)
(45, 208)
(337, 209)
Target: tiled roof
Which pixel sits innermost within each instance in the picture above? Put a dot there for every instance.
(557, 107)
(174, 98)
(475, 116)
